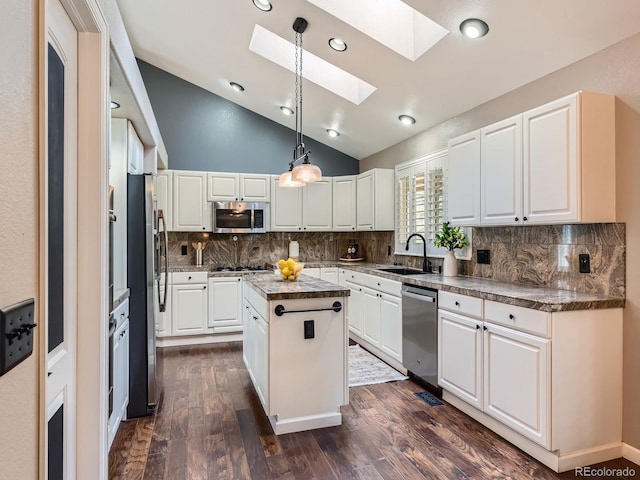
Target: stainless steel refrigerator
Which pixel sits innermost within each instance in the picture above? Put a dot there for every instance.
(146, 244)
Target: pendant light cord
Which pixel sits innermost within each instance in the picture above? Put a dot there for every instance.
(299, 137)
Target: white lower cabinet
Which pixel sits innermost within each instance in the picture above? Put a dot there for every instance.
(460, 362)
(120, 356)
(375, 314)
(225, 297)
(535, 377)
(189, 303)
(255, 341)
(516, 381)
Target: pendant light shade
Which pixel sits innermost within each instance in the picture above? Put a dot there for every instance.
(305, 172)
(286, 180)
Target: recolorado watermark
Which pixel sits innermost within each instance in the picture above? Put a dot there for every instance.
(603, 472)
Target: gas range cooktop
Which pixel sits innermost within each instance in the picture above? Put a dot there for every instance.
(241, 269)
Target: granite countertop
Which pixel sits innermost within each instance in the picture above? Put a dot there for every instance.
(528, 296)
(269, 286)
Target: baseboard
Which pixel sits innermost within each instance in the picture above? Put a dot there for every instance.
(631, 453)
(197, 340)
(300, 424)
(557, 463)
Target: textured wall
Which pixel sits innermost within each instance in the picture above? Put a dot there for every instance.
(19, 232)
(614, 70)
(203, 131)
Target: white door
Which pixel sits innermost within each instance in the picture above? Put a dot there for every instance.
(516, 381)
(317, 206)
(286, 208)
(463, 180)
(501, 172)
(255, 188)
(344, 203)
(60, 243)
(163, 189)
(550, 159)
(365, 203)
(222, 187)
(460, 356)
(191, 211)
(189, 309)
(391, 325)
(371, 315)
(354, 306)
(225, 297)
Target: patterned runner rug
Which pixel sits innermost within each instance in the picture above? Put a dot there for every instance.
(367, 369)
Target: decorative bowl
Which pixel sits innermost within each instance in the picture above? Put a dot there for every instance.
(289, 270)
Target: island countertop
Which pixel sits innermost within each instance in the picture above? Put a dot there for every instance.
(271, 287)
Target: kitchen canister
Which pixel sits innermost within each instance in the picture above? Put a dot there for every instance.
(294, 250)
(199, 258)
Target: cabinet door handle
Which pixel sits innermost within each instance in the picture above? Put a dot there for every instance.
(204, 287)
(524, 218)
(255, 318)
(477, 327)
(484, 327)
(511, 317)
(517, 219)
(457, 304)
(239, 279)
(203, 228)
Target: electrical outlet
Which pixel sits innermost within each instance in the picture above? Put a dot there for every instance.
(584, 262)
(183, 248)
(483, 256)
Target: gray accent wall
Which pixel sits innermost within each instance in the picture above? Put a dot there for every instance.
(202, 131)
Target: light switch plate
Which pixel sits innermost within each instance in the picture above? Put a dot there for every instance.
(16, 331)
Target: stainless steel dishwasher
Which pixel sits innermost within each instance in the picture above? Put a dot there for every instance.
(420, 332)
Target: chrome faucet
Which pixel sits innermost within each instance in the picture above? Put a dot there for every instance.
(425, 262)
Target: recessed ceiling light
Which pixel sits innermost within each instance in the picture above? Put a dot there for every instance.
(113, 105)
(333, 133)
(263, 5)
(286, 110)
(474, 28)
(337, 44)
(236, 86)
(407, 120)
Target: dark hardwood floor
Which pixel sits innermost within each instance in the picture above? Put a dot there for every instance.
(210, 425)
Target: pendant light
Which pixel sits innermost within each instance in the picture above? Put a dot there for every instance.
(305, 172)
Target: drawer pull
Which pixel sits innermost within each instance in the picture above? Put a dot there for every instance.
(189, 277)
(511, 316)
(457, 304)
(477, 327)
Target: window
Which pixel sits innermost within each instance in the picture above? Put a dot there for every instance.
(421, 204)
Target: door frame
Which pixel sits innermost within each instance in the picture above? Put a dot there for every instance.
(92, 223)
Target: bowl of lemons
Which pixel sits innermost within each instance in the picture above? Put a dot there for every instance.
(289, 269)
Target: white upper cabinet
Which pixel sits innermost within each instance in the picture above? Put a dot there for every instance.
(374, 200)
(569, 160)
(164, 194)
(317, 206)
(286, 208)
(463, 179)
(501, 172)
(238, 187)
(191, 211)
(551, 164)
(344, 203)
(135, 151)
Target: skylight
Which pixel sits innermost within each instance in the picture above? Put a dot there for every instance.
(282, 52)
(391, 22)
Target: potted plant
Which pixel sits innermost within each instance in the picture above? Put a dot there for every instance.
(452, 238)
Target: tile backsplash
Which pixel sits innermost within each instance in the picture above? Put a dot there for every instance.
(547, 255)
(544, 255)
(257, 249)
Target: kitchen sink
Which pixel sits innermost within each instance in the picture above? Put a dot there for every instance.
(402, 271)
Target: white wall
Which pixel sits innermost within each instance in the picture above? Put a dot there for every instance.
(19, 234)
(615, 70)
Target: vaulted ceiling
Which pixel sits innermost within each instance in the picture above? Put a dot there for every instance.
(207, 43)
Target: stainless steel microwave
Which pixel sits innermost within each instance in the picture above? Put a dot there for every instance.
(240, 217)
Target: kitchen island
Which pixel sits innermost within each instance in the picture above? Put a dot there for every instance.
(295, 340)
